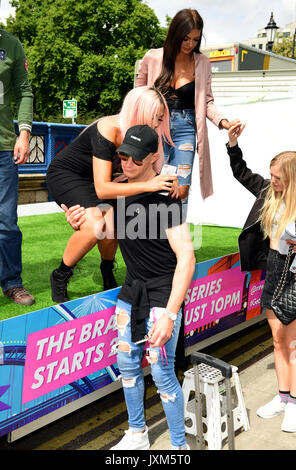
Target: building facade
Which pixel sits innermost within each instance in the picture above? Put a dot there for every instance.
(260, 41)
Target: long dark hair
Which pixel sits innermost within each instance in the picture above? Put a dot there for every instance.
(182, 24)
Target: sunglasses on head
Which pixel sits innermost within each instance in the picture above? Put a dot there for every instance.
(126, 157)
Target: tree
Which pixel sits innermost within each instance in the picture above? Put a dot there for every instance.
(284, 47)
(83, 49)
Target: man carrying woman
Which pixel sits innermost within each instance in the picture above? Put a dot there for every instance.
(159, 271)
(82, 176)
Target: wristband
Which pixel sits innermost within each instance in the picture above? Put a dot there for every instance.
(172, 316)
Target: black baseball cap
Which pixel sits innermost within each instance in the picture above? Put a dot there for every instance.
(139, 141)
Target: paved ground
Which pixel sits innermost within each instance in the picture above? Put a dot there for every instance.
(39, 208)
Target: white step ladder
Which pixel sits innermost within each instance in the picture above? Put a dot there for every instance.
(213, 401)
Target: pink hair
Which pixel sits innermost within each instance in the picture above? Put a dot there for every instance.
(139, 107)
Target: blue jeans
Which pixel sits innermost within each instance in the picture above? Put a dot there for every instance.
(10, 234)
(183, 134)
(129, 357)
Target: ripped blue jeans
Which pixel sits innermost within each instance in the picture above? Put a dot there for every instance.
(129, 357)
(183, 134)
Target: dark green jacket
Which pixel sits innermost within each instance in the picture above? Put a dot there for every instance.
(13, 80)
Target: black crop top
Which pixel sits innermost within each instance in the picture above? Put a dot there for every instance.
(182, 97)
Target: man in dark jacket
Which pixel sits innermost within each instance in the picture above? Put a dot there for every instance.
(13, 79)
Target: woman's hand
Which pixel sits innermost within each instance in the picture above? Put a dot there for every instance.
(234, 132)
(228, 124)
(161, 183)
(292, 242)
(175, 191)
(75, 215)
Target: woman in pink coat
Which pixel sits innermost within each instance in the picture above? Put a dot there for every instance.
(183, 74)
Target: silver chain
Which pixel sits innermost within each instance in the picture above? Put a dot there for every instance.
(283, 279)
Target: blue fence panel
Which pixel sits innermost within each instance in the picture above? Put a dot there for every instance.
(46, 141)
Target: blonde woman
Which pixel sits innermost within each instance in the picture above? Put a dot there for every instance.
(274, 209)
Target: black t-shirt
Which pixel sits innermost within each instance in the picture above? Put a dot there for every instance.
(141, 222)
(77, 156)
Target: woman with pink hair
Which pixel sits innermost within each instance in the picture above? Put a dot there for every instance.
(82, 176)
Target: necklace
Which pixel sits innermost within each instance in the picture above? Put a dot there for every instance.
(184, 70)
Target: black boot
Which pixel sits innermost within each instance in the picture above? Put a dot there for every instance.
(109, 281)
(59, 282)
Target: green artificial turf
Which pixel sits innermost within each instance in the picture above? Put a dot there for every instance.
(216, 241)
(44, 241)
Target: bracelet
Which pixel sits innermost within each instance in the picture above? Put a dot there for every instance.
(172, 316)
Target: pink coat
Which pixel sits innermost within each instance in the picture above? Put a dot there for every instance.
(149, 70)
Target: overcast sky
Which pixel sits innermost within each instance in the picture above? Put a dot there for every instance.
(229, 20)
(225, 20)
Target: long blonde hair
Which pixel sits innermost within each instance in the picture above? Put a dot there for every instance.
(286, 161)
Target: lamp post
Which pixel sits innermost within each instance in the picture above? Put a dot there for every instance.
(293, 52)
(271, 31)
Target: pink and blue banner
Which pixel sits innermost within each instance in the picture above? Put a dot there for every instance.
(68, 352)
(213, 297)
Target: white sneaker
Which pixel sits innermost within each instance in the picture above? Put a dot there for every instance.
(273, 408)
(289, 422)
(184, 447)
(133, 441)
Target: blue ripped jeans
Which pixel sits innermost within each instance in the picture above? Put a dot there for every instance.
(183, 134)
(129, 357)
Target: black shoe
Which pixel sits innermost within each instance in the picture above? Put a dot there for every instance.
(109, 281)
(59, 282)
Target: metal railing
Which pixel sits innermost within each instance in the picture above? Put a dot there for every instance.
(46, 141)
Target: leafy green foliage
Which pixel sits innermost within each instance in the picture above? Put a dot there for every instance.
(83, 49)
(284, 47)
